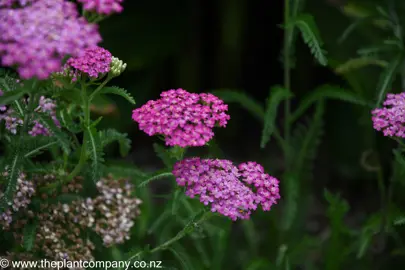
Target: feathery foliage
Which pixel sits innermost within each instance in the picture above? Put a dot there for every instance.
(310, 34)
(276, 96)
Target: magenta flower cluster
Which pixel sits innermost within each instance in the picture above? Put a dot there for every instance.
(223, 186)
(37, 37)
(104, 7)
(94, 62)
(183, 118)
(391, 119)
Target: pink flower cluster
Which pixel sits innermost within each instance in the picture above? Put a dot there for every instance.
(48, 106)
(10, 3)
(105, 7)
(37, 37)
(93, 62)
(391, 118)
(222, 185)
(183, 118)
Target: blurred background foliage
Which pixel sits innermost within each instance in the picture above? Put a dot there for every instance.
(342, 217)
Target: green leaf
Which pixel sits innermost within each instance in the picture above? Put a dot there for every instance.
(353, 27)
(62, 138)
(291, 186)
(66, 117)
(357, 63)
(176, 200)
(310, 34)
(110, 135)
(29, 235)
(277, 95)
(9, 97)
(247, 102)
(13, 173)
(95, 152)
(307, 142)
(155, 177)
(118, 91)
(326, 91)
(34, 146)
(163, 154)
(388, 77)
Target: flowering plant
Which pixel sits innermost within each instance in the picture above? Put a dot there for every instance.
(59, 198)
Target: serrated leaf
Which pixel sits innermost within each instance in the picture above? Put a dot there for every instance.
(155, 177)
(13, 171)
(118, 91)
(310, 34)
(388, 77)
(326, 91)
(110, 135)
(358, 63)
(277, 95)
(62, 138)
(243, 99)
(95, 152)
(34, 146)
(29, 235)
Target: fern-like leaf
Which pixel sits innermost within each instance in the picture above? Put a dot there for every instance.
(62, 138)
(111, 135)
(95, 152)
(155, 177)
(358, 63)
(277, 95)
(13, 172)
(247, 102)
(305, 141)
(29, 235)
(388, 77)
(326, 91)
(310, 34)
(118, 91)
(34, 146)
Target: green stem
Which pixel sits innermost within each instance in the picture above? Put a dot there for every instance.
(287, 80)
(83, 152)
(186, 230)
(98, 89)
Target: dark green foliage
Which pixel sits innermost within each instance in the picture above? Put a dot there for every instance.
(276, 96)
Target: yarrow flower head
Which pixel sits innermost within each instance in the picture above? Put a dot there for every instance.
(117, 66)
(36, 37)
(94, 62)
(391, 119)
(104, 7)
(183, 118)
(222, 185)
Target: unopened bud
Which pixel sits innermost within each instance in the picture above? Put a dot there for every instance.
(117, 66)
